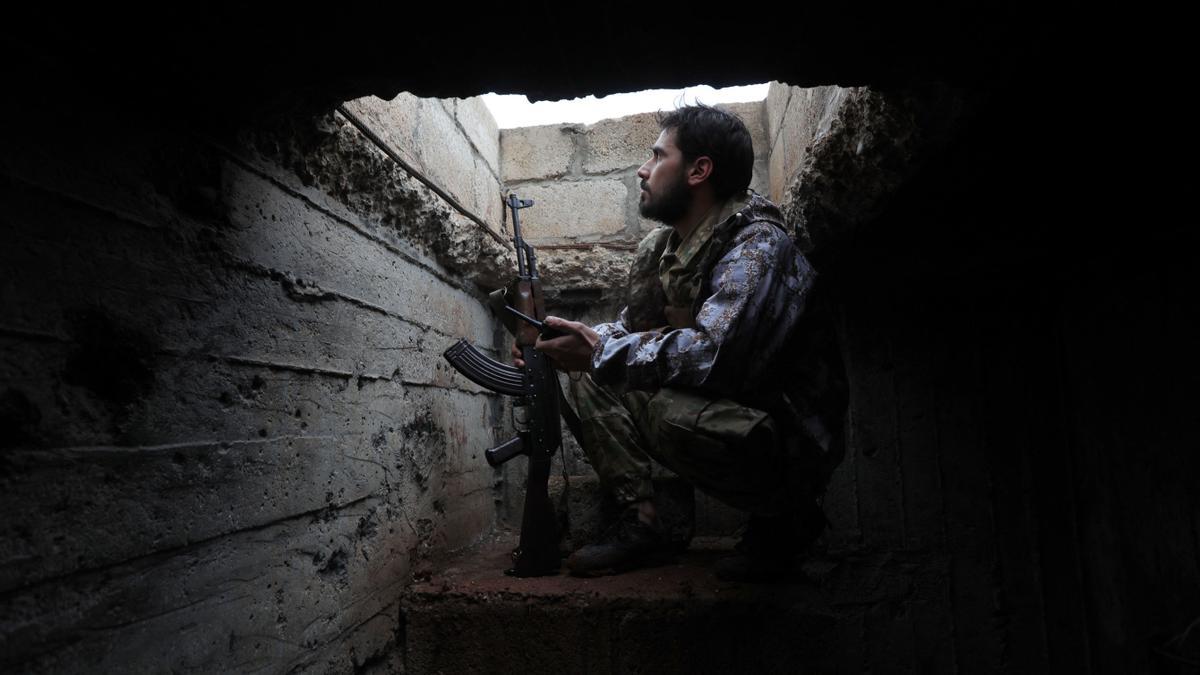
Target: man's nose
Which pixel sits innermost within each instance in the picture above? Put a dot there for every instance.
(643, 172)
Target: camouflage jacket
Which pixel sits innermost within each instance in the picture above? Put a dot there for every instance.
(749, 288)
(754, 331)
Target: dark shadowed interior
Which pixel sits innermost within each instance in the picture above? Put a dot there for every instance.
(201, 471)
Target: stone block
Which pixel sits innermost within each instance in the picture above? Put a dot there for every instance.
(479, 125)
(751, 113)
(618, 144)
(574, 210)
(487, 198)
(446, 154)
(429, 135)
(395, 121)
(534, 153)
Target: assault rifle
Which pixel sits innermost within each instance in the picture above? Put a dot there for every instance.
(535, 412)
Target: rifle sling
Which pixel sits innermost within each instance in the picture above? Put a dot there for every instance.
(569, 416)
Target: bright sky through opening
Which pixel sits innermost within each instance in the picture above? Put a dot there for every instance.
(515, 110)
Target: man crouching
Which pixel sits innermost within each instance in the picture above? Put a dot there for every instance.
(717, 366)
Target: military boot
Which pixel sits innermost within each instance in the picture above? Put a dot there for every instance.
(770, 545)
(627, 544)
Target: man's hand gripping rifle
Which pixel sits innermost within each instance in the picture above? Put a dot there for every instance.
(535, 412)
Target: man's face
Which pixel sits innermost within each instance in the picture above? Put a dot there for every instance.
(665, 194)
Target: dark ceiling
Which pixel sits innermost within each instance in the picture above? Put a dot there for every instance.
(244, 60)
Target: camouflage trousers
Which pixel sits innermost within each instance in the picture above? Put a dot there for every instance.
(725, 449)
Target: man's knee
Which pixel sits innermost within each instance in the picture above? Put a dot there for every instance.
(727, 449)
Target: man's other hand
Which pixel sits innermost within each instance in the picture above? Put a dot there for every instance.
(570, 352)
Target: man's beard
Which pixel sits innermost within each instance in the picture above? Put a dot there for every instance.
(669, 206)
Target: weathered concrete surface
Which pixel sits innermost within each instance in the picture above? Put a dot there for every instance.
(534, 153)
(617, 144)
(477, 123)
(568, 211)
(864, 145)
(329, 156)
(235, 438)
(795, 119)
(589, 281)
(452, 142)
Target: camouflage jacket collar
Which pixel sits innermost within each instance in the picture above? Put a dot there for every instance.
(756, 210)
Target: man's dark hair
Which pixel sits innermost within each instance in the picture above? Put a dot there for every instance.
(702, 130)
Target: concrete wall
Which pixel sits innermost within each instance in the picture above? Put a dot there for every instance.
(229, 436)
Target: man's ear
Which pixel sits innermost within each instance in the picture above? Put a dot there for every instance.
(700, 170)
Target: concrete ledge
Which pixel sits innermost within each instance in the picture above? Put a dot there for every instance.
(672, 619)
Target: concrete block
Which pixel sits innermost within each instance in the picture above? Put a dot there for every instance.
(751, 113)
(446, 153)
(574, 210)
(618, 144)
(488, 197)
(426, 134)
(396, 121)
(477, 121)
(533, 153)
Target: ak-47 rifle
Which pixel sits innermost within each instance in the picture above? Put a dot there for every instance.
(535, 412)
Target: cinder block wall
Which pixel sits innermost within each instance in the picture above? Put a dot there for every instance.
(229, 438)
(584, 177)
